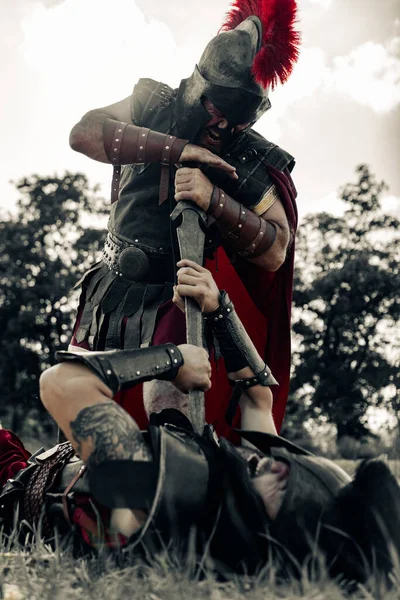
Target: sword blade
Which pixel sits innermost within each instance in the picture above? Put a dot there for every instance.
(191, 245)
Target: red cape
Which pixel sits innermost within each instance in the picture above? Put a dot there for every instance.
(263, 302)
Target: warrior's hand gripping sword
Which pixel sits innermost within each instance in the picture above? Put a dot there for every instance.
(191, 237)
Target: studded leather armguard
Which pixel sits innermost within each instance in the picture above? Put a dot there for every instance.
(125, 143)
(121, 369)
(247, 234)
(235, 343)
(238, 352)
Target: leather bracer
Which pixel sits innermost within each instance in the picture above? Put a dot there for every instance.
(246, 233)
(238, 351)
(127, 144)
(235, 343)
(122, 369)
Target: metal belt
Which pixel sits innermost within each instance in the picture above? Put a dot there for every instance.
(136, 262)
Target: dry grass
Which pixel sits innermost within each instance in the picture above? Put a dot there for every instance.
(44, 574)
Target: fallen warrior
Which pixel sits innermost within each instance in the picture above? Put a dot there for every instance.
(168, 487)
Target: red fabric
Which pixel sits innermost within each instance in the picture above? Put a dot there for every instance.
(263, 302)
(13, 455)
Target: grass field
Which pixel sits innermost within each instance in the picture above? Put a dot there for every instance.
(43, 574)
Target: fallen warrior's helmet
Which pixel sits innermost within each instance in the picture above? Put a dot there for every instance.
(351, 527)
(256, 48)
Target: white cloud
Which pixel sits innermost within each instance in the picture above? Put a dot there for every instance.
(370, 75)
(93, 50)
(81, 55)
(322, 3)
(310, 74)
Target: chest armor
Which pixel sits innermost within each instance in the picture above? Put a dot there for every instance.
(137, 214)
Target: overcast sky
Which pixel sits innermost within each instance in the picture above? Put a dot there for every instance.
(61, 58)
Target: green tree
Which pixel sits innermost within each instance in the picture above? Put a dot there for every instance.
(44, 249)
(347, 299)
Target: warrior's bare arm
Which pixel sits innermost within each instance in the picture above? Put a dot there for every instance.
(256, 402)
(96, 133)
(87, 135)
(261, 239)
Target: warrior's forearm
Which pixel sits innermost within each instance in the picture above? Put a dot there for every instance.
(122, 369)
(244, 232)
(100, 137)
(235, 344)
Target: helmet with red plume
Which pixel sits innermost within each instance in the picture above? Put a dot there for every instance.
(257, 46)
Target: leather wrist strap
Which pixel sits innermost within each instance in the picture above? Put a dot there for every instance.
(121, 369)
(237, 350)
(246, 233)
(126, 144)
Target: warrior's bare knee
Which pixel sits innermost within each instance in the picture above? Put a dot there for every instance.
(67, 383)
(48, 386)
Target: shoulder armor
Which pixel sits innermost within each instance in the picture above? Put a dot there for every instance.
(254, 146)
(251, 155)
(148, 95)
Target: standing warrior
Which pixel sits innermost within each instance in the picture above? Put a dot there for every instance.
(240, 179)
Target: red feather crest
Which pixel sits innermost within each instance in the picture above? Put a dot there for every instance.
(280, 44)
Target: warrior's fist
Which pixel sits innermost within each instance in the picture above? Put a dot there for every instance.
(192, 184)
(195, 373)
(196, 282)
(192, 153)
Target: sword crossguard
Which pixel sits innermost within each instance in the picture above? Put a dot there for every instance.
(189, 205)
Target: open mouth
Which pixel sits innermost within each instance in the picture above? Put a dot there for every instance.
(212, 136)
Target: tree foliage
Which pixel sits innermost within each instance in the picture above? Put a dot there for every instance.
(44, 249)
(346, 294)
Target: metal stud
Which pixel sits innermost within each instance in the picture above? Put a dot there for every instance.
(172, 351)
(136, 241)
(240, 226)
(167, 363)
(175, 360)
(167, 147)
(221, 205)
(137, 372)
(109, 372)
